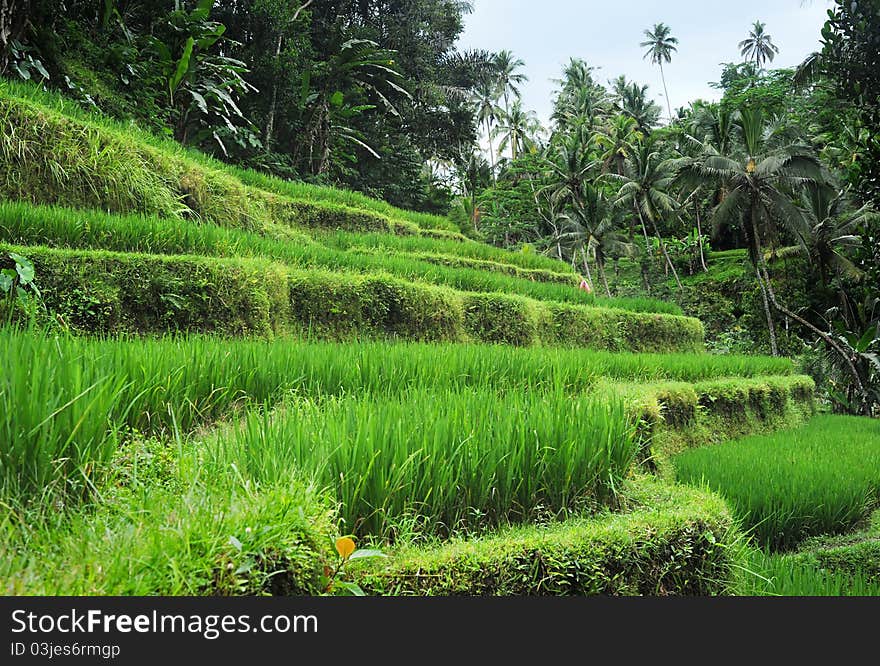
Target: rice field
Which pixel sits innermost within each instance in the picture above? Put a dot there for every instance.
(23, 224)
(783, 576)
(823, 478)
(447, 461)
(66, 403)
(202, 465)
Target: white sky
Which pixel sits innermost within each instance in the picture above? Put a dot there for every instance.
(607, 33)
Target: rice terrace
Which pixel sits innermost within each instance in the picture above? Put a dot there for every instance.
(301, 298)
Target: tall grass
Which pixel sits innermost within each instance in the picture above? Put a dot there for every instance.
(786, 576)
(60, 104)
(452, 460)
(24, 224)
(823, 478)
(66, 402)
(311, 192)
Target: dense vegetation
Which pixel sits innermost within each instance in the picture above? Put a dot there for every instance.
(272, 273)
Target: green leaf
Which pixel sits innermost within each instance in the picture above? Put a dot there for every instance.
(7, 279)
(864, 344)
(351, 589)
(305, 85)
(211, 39)
(200, 101)
(39, 67)
(235, 543)
(23, 267)
(202, 10)
(182, 65)
(337, 99)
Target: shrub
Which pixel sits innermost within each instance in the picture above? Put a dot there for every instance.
(678, 416)
(341, 306)
(231, 539)
(98, 292)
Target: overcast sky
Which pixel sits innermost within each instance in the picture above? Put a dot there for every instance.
(607, 33)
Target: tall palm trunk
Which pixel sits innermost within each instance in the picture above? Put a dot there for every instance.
(662, 246)
(491, 149)
(771, 327)
(857, 379)
(507, 114)
(700, 237)
(273, 104)
(666, 91)
(764, 284)
(587, 268)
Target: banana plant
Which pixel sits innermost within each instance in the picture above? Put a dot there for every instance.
(201, 85)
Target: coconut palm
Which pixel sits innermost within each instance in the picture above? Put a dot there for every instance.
(644, 189)
(508, 77)
(759, 46)
(617, 140)
(517, 130)
(593, 231)
(571, 164)
(487, 111)
(832, 235)
(632, 100)
(759, 180)
(661, 45)
(580, 100)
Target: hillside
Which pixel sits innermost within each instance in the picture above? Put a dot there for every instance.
(291, 364)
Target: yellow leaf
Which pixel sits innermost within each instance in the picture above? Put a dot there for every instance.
(345, 547)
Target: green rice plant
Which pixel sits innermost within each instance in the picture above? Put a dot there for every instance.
(25, 224)
(232, 538)
(66, 402)
(666, 540)
(769, 574)
(823, 478)
(54, 410)
(465, 248)
(310, 192)
(457, 460)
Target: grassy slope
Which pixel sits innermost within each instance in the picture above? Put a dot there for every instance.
(163, 199)
(13, 90)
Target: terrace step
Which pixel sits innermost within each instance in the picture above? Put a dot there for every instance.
(101, 292)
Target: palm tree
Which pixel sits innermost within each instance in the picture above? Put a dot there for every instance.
(631, 99)
(583, 107)
(759, 46)
(661, 46)
(580, 100)
(570, 164)
(617, 140)
(833, 232)
(517, 129)
(758, 181)
(487, 111)
(508, 78)
(593, 231)
(644, 189)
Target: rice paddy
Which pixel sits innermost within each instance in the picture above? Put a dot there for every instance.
(823, 478)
